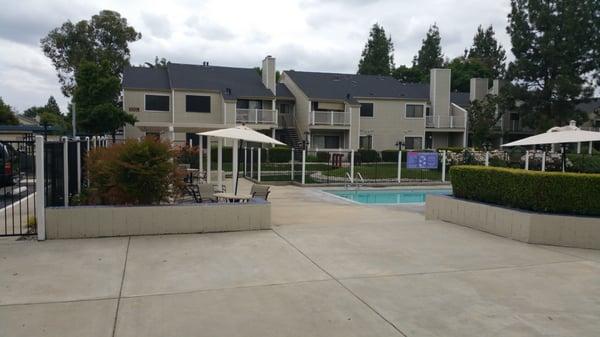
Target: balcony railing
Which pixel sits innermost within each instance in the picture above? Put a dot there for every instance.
(332, 118)
(256, 116)
(445, 122)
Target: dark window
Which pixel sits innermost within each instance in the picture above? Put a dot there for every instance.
(332, 142)
(365, 142)
(366, 109)
(248, 104)
(597, 123)
(157, 103)
(414, 111)
(413, 143)
(195, 103)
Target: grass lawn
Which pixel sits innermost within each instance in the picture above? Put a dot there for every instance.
(386, 171)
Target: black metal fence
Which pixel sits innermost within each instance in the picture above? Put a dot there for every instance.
(17, 187)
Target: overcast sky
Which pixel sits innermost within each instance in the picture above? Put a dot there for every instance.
(313, 35)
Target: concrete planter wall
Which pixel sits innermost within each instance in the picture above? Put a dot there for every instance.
(102, 221)
(525, 226)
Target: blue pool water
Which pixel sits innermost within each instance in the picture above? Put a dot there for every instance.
(388, 197)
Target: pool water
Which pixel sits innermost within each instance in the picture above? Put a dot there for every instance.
(388, 197)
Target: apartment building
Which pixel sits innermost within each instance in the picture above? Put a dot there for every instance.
(323, 111)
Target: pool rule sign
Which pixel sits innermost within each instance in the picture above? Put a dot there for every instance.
(422, 160)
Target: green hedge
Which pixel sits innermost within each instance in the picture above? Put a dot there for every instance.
(280, 154)
(367, 156)
(551, 192)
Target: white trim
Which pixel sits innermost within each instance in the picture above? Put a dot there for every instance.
(424, 105)
(156, 94)
(414, 136)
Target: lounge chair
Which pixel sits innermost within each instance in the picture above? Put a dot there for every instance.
(260, 191)
(206, 193)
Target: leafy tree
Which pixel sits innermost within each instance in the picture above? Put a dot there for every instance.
(52, 106)
(488, 51)
(430, 55)
(463, 69)
(103, 38)
(158, 63)
(34, 111)
(7, 114)
(58, 122)
(378, 55)
(407, 75)
(96, 96)
(484, 114)
(557, 53)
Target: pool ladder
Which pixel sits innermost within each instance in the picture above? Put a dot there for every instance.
(356, 184)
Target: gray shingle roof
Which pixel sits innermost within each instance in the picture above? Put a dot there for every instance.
(146, 78)
(242, 82)
(460, 98)
(591, 106)
(338, 86)
(282, 91)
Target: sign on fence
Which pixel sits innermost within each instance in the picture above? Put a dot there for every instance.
(422, 160)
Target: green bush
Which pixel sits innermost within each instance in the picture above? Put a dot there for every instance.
(132, 173)
(551, 192)
(584, 163)
(451, 149)
(280, 154)
(367, 156)
(323, 157)
(389, 156)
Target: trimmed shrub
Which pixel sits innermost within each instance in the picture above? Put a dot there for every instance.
(280, 154)
(550, 192)
(367, 156)
(584, 163)
(132, 173)
(389, 156)
(323, 157)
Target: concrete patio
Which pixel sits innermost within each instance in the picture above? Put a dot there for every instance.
(328, 268)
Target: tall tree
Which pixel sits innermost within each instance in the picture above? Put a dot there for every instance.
(7, 114)
(105, 37)
(463, 70)
(556, 49)
(407, 74)
(430, 55)
(378, 55)
(158, 63)
(96, 96)
(52, 106)
(488, 51)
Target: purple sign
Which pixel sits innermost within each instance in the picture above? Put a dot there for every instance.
(422, 160)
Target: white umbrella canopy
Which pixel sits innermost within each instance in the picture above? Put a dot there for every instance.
(242, 132)
(238, 133)
(559, 135)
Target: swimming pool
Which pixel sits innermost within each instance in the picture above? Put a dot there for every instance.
(388, 197)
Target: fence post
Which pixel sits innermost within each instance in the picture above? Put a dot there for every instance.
(590, 148)
(352, 167)
(543, 161)
(259, 158)
(527, 160)
(444, 166)
(487, 158)
(579, 148)
(208, 160)
(220, 163)
(94, 141)
(251, 163)
(303, 167)
(399, 166)
(200, 155)
(77, 139)
(66, 170)
(87, 153)
(40, 196)
(245, 161)
(292, 170)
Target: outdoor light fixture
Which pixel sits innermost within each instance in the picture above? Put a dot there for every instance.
(399, 145)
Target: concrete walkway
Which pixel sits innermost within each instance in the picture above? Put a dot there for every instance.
(328, 268)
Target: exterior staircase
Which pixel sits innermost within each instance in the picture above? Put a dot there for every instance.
(288, 133)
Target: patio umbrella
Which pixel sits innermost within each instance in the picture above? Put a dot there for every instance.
(559, 135)
(238, 133)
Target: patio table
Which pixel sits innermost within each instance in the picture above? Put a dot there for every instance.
(231, 197)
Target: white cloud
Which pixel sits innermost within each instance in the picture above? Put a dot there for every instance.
(319, 35)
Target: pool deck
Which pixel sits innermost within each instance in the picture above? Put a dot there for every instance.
(328, 268)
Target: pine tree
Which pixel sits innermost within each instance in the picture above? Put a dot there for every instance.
(556, 49)
(377, 56)
(52, 106)
(430, 55)
(487, 50)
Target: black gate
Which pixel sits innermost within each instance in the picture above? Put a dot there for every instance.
(17, 187)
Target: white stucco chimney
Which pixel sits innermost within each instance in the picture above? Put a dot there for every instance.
(439, 91)
(478, 88)
(268, 73)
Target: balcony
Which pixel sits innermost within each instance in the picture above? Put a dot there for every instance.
(256, 116)
(445, 122)
(330, 118)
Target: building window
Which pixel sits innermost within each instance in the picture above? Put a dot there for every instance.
(413, 143)
(414, 111)
(366, 109)
(597, 123)
(248, 104)
(196, 103)
(366, 142)
(326, 142)
(156, 103)
(285, 108)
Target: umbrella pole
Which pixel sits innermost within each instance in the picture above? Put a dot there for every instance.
(234, 165)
